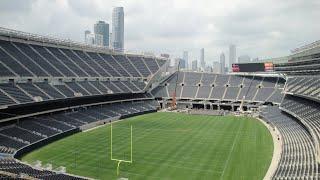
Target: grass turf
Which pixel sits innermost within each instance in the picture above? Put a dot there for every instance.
(167, 146)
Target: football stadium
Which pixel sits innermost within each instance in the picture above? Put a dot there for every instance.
(71, 110)
(75, 111)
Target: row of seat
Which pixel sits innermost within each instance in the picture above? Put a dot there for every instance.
(34, 129)
(209, 79)
(307, 111)
(29, 60)
(298, 157)
(18, 93)
(224, 93)
(300, 65)
(21, 171)
(192, 85)
(304, 85)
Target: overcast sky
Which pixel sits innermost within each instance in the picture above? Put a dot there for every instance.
(259, 28)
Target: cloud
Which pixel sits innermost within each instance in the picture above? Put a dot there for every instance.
(261, 28)
(13, 6)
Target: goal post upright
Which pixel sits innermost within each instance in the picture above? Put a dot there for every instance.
(131, 145)
(119, 161)
(111, 139)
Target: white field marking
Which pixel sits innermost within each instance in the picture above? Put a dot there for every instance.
(204, 143)
(101, 148)
(200, 140)
(112, 170)
(157, 165)
(96, 127)
(138, 174)
(88, 153)
(178, 132)
(102, 125)
(154, 164)
(138, 138)
(108, 123)
(143, 135)
(155, 153)
(156, 159)
(228, 135)
(159, 129)
(183, 168)
(180, 167)
(95, 151)
(230, 152)
(72, 152)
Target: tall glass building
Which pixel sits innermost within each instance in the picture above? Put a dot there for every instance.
(202, 62)
(186, 58)
(232, 55)
(222, 63)
(118, 28)
(101, 29)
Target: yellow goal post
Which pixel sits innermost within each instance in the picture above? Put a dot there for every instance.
(119, 161)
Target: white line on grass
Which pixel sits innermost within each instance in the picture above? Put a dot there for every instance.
(230, 152)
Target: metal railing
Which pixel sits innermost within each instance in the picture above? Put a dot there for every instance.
(50, 39)
(67, 42)
(306, 47)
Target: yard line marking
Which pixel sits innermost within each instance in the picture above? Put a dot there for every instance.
(230, 152)
(156, 152)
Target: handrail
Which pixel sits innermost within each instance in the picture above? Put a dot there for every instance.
(11, 33)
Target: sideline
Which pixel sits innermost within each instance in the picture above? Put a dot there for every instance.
(102, 125)
(277, 146)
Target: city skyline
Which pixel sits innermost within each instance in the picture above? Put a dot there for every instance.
(102, 36)
(213, 24)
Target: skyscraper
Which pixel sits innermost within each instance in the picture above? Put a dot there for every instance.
(102, 28)
(222, 63)
(88, 37)
(182, 63)
(110, 39)
(86, 32)
(202, 63)
(118, 28)
(185, 58)
(195, 65)
(98, 39)
(232, 55)
(216, 67)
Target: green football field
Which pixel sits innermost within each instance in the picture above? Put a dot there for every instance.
(166, 146)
